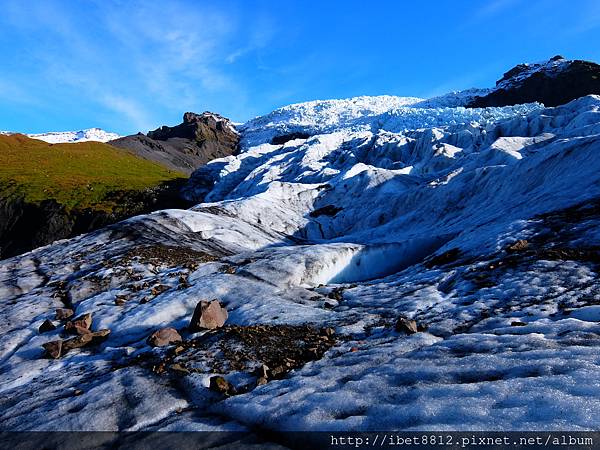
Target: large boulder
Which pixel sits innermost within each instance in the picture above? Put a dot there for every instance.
(208, 316)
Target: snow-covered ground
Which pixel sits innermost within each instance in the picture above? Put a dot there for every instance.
(91, 134)
(386, 207)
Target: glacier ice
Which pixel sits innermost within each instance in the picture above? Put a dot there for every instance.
(381, 188)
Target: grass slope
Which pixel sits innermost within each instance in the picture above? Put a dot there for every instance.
(78, 175)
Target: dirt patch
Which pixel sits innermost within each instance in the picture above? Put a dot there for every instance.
(260, 352)
(162, 255)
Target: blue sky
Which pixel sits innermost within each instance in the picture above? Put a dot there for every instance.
(130, 66)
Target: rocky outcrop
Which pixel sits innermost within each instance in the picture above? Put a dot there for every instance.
(199, 139)
(25, 226)
(553, 83)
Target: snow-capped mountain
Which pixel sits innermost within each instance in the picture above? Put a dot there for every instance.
(90, 134)
(337, 224)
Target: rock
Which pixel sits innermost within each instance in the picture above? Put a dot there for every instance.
(163, 337)
(208, 315)
(404, 325)
(553, 83)
(262, 372)
(221, 385)
(179, 349)
(77, 342)
(261, 380)
(518, 323)
(77, 392)
(79, 325)
(277, 371)
(517, 246)
(328, 210)
(53, 348)
(329, 332)
(46, 326)
(85, 339)
(159, 289)
(179, 369)
(64, 313)
(120, 300)
(187, 146)
(282, 139)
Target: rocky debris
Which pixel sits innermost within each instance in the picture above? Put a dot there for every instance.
(553, 83)
(199, 139)
(64, 313)
(266, 351)
(167, 256)
(46, 326)
(56, 349)
(328, 210)
(208, 316)
(53, 348)
(163, 337)
(80, 325)
(518, 246)
(282, 139)
(407, 326)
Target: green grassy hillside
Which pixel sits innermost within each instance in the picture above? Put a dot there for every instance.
(78, 175)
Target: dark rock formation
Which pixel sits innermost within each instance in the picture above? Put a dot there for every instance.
(46, 326)
(280, 140)
(25, 226)
(187, 146)
(553, 83)
(407, 326)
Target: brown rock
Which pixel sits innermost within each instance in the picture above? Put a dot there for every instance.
(179, 369)
(77, 342)
(47, 325)
(329, 332)
(164, 336)
(179, 349)
(261, 380)
(518, 246)
(85, 339)
(404, 325)
(53, 348)
(518, 323)
(221, 385)
(208, 315)
(159, 289)
(79, 324)
(63, 313)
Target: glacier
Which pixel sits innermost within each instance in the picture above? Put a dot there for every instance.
(89, 134)
(385, 207)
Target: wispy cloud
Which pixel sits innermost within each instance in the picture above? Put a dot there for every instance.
(141, 60)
